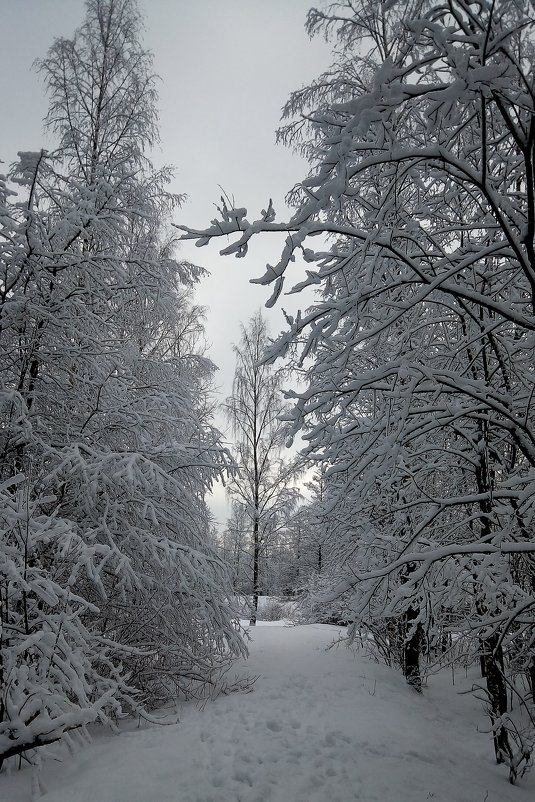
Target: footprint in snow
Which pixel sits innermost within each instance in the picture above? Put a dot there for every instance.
(332, 737)
(243, 777)
(273, 725)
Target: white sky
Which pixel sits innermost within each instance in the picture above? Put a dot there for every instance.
(227, 67)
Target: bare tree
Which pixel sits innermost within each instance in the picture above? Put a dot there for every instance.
(263, 482)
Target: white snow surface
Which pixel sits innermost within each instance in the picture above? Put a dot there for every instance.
(321, 725)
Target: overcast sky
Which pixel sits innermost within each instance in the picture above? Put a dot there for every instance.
(226, 67)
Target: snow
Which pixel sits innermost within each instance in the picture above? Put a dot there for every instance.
(320, 724)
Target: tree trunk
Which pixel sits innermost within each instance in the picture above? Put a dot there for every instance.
(411, 645)
(411, 651)
(492, 655)
(256, 554)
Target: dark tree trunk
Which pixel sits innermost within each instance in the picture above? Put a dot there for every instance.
(411, 651)
(256, 555)
(492, 656)
(412, 644)
(482, 660)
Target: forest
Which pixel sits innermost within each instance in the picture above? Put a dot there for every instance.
(379, 460)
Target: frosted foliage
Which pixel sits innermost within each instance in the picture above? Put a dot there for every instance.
(112, 597)
(419, 350)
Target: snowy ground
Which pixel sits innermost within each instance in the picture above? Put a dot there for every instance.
(319, 726)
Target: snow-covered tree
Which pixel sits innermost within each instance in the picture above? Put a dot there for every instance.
(263, 484)
(112, 597)
(419, 397)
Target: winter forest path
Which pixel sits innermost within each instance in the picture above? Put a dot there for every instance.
(319, 726)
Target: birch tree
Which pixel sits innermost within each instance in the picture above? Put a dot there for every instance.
(111, 596)
(263, 483)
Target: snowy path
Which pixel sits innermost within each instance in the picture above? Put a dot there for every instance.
(320, 726)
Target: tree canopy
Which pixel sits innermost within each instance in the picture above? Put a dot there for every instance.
(112, 596)
(418, 350)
